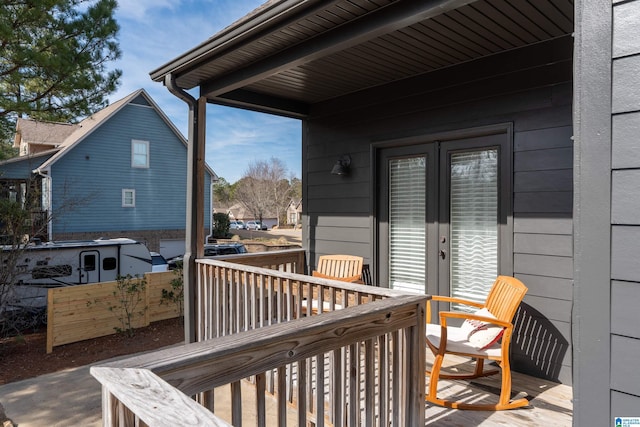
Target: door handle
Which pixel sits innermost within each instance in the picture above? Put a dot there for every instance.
(443, 253)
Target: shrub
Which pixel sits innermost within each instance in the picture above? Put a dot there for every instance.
(220, 225)
(175, 295)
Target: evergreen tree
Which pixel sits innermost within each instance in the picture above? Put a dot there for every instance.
(53, 60)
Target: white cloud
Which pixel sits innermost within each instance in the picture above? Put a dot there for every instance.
(137, 9)
(154, 32)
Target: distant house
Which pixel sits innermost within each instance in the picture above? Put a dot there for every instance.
(294, 212)
(119, 173)
(237, 212)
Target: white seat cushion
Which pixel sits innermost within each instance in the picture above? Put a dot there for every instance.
(458, 342)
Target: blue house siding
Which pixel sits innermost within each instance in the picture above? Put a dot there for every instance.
(21, 169)
(91, 176)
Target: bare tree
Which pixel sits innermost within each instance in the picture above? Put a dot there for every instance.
(23, 219)
(264, 189)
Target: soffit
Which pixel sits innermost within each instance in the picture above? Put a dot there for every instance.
(306, 55)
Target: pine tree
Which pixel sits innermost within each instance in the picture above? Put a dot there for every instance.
(53, 60)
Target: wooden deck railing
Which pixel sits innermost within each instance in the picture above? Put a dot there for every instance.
(362, 364)
(289, 260)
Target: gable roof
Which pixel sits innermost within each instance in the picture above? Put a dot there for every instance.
(87, 126)
(66, 137)
(33, 132)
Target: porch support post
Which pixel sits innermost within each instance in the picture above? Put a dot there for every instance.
(591, 317)
(194, 243)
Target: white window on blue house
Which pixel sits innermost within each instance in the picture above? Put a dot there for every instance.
(139, 153)
(128, 198)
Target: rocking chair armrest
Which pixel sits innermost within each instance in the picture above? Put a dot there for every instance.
(450, 300)
(444, 315)
(457, 301)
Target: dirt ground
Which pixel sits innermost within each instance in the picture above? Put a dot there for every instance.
(26, 356)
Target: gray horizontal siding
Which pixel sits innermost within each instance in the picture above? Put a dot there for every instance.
(625, 131)
(351, 234)
(543, 202)
(551, 308)
(549, 287)
(543, 244)
(543, 248)
(624, 405)
(539, 109)
(550, 223)
(545, 181)
(543, 139)
(543, 265)
(540, 344)
(626, 84)
(625, 377)
(540, 160)
(626, 34)
(625, 197)
(624, 315)
(625, 202)
(625, 247)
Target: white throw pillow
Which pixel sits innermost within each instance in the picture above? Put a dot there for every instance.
(480, 334)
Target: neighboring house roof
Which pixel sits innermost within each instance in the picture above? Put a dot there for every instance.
(75, 134)
(238, 211)
(33, 136)
(295, 206)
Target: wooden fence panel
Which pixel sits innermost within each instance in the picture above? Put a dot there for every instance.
(159, 310)
(77, 313)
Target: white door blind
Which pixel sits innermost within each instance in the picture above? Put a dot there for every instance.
(407, 224)
(473, 224)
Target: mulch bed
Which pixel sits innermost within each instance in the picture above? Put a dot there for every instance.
(25, 356)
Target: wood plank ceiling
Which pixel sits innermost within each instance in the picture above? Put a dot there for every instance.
(309, 56)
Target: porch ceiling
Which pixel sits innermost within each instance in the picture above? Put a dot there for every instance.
(291, 54)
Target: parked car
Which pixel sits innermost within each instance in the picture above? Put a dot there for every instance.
(233, 225)
(240, 225)
(212, 250)
(256, 225)
(158, 263)
(224, 249)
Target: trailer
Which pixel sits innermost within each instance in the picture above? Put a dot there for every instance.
(69, 263)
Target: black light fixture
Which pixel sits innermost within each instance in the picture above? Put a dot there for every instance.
(342, 166)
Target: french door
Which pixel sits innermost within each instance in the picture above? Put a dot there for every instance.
(443, 215)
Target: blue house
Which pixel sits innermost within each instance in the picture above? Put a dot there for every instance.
(119, 173)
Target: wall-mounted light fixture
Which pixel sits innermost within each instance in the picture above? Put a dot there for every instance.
(342, 166)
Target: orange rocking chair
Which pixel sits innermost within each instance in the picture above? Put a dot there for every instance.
(485, 334)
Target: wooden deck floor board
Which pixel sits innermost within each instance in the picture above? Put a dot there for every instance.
(550, 403)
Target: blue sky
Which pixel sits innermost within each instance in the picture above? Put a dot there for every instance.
(152, 33)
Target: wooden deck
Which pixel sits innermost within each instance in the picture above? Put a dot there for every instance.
(382, 329)
(550, 403)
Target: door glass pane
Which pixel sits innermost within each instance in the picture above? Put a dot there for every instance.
(473, 224)
(407, 224)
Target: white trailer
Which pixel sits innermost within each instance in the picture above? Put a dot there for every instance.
(68, 263)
